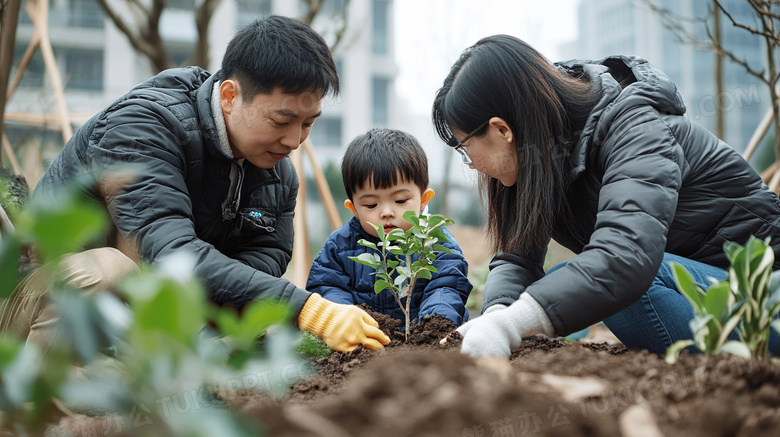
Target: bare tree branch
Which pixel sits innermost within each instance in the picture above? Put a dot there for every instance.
(312, 11)
(743, 26)
(202, 22)
(146, 39)
(342, 30)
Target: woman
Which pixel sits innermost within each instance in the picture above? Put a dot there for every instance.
(598, 156)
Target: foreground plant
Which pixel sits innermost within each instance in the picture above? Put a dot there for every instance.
(405, 257)
(144, 363)
(748, 301)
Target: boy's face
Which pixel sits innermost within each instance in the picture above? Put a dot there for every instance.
(386, 207)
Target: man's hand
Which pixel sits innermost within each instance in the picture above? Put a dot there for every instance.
(343, 327)
(497, 332)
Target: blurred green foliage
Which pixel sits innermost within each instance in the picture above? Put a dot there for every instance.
(154, 354)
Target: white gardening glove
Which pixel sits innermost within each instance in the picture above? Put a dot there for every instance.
(498, 306)
(497, 332)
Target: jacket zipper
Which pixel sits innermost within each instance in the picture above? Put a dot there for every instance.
(233, 199)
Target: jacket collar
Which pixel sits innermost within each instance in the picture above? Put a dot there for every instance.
(651, 88)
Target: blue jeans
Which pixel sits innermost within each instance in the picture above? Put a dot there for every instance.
(662, 315)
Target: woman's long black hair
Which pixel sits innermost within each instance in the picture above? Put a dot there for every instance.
(502, 76)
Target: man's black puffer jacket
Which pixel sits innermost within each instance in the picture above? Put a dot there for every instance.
(183, 198)
(644, 180)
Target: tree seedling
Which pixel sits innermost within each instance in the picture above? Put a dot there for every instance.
(401, 258)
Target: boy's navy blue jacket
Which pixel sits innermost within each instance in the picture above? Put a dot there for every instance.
(341, 280)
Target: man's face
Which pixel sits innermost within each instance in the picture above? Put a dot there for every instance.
(267, 128)
(386, 207)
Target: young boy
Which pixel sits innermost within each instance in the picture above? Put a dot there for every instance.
(385, 174)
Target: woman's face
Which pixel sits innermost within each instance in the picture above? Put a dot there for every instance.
(493, 153)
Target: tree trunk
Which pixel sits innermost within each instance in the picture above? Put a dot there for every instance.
(719, 122)
(9, 16)
(202, 21)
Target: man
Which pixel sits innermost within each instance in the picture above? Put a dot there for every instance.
(210, 176)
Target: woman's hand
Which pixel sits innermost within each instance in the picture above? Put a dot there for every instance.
(497, 332)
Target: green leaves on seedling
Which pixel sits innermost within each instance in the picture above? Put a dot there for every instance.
(403, 257)
(747, 301)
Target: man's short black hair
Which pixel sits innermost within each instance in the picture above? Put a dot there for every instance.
(383, 157)
(279, 52)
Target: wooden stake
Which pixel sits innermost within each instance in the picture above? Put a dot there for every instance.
(28, 54)
(301, 256)
(9, 152)
(39, 13)
(774, 183)
(759, 133)
(322, 186)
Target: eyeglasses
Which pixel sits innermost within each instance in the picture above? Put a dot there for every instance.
(461, 148)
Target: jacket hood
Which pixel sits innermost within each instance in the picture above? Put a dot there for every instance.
(643, 85)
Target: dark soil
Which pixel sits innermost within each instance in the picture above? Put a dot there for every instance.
(548, 388)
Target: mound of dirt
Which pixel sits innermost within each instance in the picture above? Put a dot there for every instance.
(548, 388)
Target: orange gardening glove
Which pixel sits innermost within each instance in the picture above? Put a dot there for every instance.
(343, 327)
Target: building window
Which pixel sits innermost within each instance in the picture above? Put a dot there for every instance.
(187, 5)
(83, 69)
(380, 100)
(380, 27)
(85, 13)
(35, 71)
(248, 11)
(326, 132)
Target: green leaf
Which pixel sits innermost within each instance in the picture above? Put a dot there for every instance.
(170, 309)
(736, 348)
(441, 248)
(395, 250)
(431, 268)
(436, 220)
(9, 265)
(62, 226)
(395, 234)
(687, 286)
(439, 233)
(716, 299)
(370, 259)
(775, 325)
(364, 242)
(19, 375)
(380, 285)
(424, 274)
(731, 323)
(674, 350)
(412, 217)
(380, 231)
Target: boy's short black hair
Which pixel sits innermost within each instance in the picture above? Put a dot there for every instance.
(279, 52)
(381, 156)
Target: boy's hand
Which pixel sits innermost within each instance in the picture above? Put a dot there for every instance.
(343, 327)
